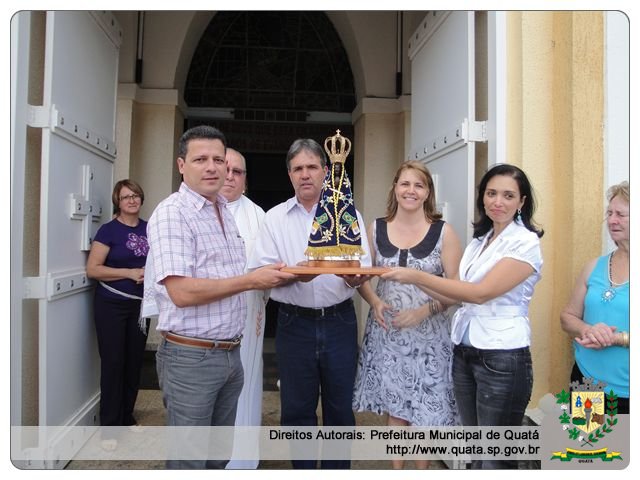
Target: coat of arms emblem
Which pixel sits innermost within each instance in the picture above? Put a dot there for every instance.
(587, 410)
(588, 414)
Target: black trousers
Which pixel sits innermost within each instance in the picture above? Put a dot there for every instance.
(121, 345)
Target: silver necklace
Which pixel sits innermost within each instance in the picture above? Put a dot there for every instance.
(610, 292)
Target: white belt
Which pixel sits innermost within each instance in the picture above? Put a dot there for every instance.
(495, 310)
(118, 292)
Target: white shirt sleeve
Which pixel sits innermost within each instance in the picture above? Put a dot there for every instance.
(526, 248)
(265, 250)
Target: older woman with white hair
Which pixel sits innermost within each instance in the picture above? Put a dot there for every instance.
(597, 316)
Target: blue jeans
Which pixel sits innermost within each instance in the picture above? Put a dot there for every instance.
(317, 355)
(200, 387)
(492, 388)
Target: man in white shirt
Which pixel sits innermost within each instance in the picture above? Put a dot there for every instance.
(316, 336)
(248, 217)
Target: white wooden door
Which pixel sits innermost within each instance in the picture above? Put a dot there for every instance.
(78, 149)
(443, 123)
(443, 127)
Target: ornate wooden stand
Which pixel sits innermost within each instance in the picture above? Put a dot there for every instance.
(320, 267)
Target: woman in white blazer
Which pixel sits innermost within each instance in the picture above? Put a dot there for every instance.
(492, 370)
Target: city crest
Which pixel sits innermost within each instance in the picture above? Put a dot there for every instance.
(587, 410)
(587, 415)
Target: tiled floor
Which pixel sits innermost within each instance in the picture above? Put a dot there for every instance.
(150, 411)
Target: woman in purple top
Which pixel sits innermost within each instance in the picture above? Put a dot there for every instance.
(117, 258)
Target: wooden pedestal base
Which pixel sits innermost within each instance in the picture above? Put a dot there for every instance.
(335, 268)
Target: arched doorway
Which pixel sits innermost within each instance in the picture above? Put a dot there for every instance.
(265, 79)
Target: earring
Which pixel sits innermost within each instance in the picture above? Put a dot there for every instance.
(519, 217)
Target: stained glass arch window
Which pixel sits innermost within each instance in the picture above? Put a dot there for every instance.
(289, 61)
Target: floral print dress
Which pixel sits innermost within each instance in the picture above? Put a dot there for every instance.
(407, 372)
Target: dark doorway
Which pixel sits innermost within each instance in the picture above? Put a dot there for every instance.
(267, 179)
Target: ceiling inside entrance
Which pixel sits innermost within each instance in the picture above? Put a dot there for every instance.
(287, 61)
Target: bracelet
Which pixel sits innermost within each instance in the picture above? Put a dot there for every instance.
(434, 306)
(351, 286)
(625, 339)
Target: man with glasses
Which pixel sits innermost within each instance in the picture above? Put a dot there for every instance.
(199, 281)
(248, 217)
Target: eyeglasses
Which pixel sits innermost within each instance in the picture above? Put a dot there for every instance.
(133, 196)
(236, 171)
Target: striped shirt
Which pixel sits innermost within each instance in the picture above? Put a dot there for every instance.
(186, 239)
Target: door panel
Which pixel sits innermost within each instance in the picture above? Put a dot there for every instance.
(81, 57)
(80, 97)
(443, 114)
(78, 149)
(443, 111)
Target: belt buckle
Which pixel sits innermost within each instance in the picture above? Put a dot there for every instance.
(322, 312)
(222, 345)
(229, 344)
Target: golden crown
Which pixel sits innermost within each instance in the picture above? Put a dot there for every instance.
(340, 147)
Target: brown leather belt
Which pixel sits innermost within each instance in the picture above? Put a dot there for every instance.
(202, 342)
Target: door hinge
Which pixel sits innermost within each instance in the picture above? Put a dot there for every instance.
(38, 116)
(474, 131)
(34, 287)
(56, 285)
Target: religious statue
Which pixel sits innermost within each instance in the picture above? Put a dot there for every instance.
(335, 238)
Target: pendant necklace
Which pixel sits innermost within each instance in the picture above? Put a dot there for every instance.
(610, 292)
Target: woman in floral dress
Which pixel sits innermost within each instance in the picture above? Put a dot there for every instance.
(404, 368)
